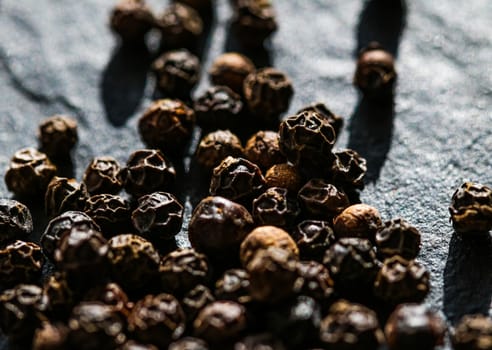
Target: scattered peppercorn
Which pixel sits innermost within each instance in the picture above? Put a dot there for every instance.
(348, 170)
(63, 194)
(110, 212)
(358, 220)
(283, 175)
(59, 297)
(57, 136)
(131, 20)
(189, 343)
(202, 6)
(398, 237)
(313, 238)
(101, 176)
(334, 120)
(15, 220)
(276, 207)
(263, 149)
(322, 200)
(473, 332)
(264, 341)
(216, 146)
(195, 300)
(180, 26)
(230, 69)
(233, 285)
(314, 281)
(20, 262)
(254, 21)
(110, 294)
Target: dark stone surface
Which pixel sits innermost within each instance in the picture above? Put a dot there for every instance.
(59, 57)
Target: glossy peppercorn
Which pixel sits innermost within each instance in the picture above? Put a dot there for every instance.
(59, 296)
(216, 146)
(50, 336)
(334, 120)
(101, 176)
(348, 170)
(276, 206)
(63, 194)
(131, 20)
(473, 332)
(20, 262)
(57, 136)
(471, 208)
(314, 280)
(322, 200)
(233, 285)
(110, 212)
(313, 238)
(29, 173)
(195, 300)
(15, 220)
(188, 343)
(180, 26)
(254, 21)
(398, 237)
(358, 220)
(283, 175)
(263, 149)
(110, 294)
(230, 69)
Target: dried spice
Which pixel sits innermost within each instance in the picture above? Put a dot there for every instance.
(180, 26)
(189, 343)
(313, 238)
(102, 176)
(276, 207)
(50, 336)
(15, 220)
(473, 332)
(263, 149)
(131, 20)
(216, 146)
(110, 212)
(20, 262)
(57, 136)
(195, 300)
(230, 69)
(348, 170)
(398, 237)
(314, 281)
(335, 120)
(110, 294)
(283, 175)
(322, 200)
(63, 195)
(259, 341)
(358, 220)
(254, 21)
(59, 296)
(233, 285)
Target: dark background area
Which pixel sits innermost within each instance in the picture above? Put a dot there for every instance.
(60, 57)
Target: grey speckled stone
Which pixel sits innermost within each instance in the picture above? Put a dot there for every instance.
(59, 57)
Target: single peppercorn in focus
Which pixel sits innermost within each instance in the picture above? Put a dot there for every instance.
(131, 20)
(322, 200)
(263, 149)
(64, 195)
(358, 220)
(398, 237)
(313, 237)
(334, 120)
(20, 262)
(110, 212)
(276, 206)
(254, 21)
(230, 69)
(15, 220)
(283, 175)
(102, 176)
(216, 146)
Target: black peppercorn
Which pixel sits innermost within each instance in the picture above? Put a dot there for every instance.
(254, 21)
(263, 149)
(348, 170)
(230, 69)
(167, 125)
(158, 217)
(15, 220)
(157, 319)
(63, 194)
(473, 332)
(283, 175)
(398, 237)
(131, 20)
(29, 173)
(50, 336)
(219, 108)
(322, 200)
(358, 220)
(101, 176)
(413, 326)
(110, 294)
(57, 136)
(375, 75)
(188, 343)
(268, 92)
(20, 262)
(110, 212)
(133, 345)
(314, 281)
(216, 146)
(263, 341)
(59, 296)
(180, 26)
(195, 300)
(334, 120)
(313, 238)
(147, 171)
(202, 6)
(276, 207)
(471, 208)
(233, 285)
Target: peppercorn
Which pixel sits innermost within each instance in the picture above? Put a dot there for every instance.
(50, 336)
(133, 261)
(473, 332)
(264, 237)
(334, 120)
(268, 92)
(313, 238)
(220, 322)
(147, 171)
(398, 237)
(15, 220)
(264, 341)
(110, 294)
(219, 108)
(20, 262)
(167, 125)
(322, 200)
(401, 281)
(314, 281)
(263, 149)
(59, 296)
(188, 343)
(63, 195)
(237, 179)
(183, 269)
(375, 75)
(218, 226)
(180, 26)
(57, 136)
(230, 69)
(133, 345)
(157, 319)
(110, 212)
(350, 326)
(95, 325)
(348, 170)
(61, 224)
(29, 173)
(131, 20)
(216, 146)
(283, 175)
(101, 176)
(195, 300)
(358, 220)
(276, 207)
(413, 326)
(306, 139)
(254, 21)
(471, 208)
(233, 285)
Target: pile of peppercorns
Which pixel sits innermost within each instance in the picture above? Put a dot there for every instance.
(283, 255)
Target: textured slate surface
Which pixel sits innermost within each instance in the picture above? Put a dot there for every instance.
(59, 57)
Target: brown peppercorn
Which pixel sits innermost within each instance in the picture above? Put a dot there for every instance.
(177, 72)
(147, 171)
(110, 294)
(157, 319)
(183, 269)
(307, 139)
(180, 26)
(101, 176)
(268, 92)
(263, 341)
(59, 296)
(220, 322)
(219, 108)
(195, 300)
(189, 343)
(358, 220)
(230, 69)
(167, 125)
(314, 280)
(264, 237)
(471, 208)
(233, 285)
(110, 212)
(334, 120)
(15, 220)
(20, 262)
(348, 170)
(63, 194)
(413, 326)
(133, 345)
(351, 326)
(263, 149)
(133, 261)
(254, 21)
(473, 332)
(29, 173)
(131, 20)
(322, 200)
(50, 336)
(276, 207)
(313, 238)
(216, 146)
(237, 179)
(57, 136)
(401, 281)
(283, 175)
(218, 226)
(375, 75)
(202, 6)
(398, 237)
